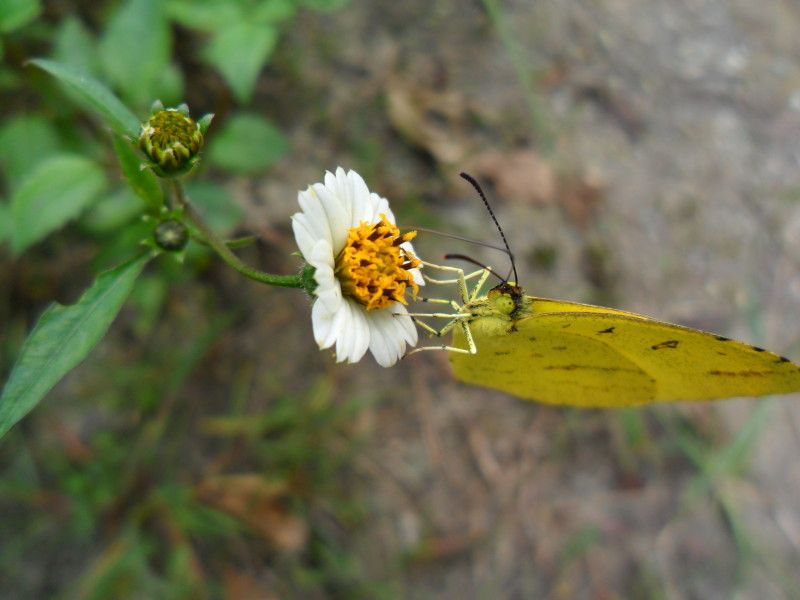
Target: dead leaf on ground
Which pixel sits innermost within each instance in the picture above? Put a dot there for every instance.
(258, 503)
(428, 119)
(580, 195)
(519, 175)
(241, 586)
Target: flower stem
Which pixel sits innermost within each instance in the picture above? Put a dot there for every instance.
(222, 249)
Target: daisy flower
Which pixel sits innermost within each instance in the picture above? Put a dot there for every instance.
(363, 268)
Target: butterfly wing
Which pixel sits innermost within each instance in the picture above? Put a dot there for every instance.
(595, 357)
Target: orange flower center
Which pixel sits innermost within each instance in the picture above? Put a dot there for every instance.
(373, 269)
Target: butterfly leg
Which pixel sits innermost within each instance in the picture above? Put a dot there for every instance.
(443, 331)
(461, 278)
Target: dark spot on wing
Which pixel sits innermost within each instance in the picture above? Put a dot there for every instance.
(590, 368)
(722, 338)
(609, 330)
(502, 352)
(559, 347)
(666, 344)
(722, 353)
(783, 359)
(531, 339)
(739, 373)
(757, 349)
(567, 326)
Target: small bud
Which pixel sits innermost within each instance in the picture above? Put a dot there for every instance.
(171, 235)
(171, 140)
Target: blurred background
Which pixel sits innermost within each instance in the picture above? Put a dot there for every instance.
(642, 155)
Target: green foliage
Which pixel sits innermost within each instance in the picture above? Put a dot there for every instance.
(17, 13)
(135, 50)
(62, 338)
(75, 46)
(141, 180)
(56, 191)
(95, 96)
(247, 143)
(239, 52)
(112, 60)
(25, 141)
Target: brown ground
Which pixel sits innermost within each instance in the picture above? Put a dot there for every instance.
(654, 168)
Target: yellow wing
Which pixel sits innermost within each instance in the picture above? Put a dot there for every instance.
(582, 355)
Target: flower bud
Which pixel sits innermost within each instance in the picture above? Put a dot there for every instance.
(171, 235)
(171, 139)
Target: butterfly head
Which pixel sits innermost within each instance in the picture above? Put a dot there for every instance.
(506, 297)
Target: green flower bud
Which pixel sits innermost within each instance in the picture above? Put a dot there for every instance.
(171, 139)
(171, 235)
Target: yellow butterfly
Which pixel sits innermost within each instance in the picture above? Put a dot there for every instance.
(574, 354)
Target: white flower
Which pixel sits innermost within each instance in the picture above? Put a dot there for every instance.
(363, 266)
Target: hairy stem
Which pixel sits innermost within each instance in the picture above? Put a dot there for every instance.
(222, 249)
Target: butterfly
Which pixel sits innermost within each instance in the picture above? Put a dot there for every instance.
(567, 353)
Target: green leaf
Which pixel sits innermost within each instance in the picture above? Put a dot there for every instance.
(205, 15)
(113, 212)
(135, 49)
(17, 13)
(239, 52)
(95, 96)
(62, 338)
(247, 143)
(274, 11)
(55, 192)
(5, 221)
(25, 141)
(142, 181)
(214, 203)
(75, 45)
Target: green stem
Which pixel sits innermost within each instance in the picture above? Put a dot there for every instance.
(225, 253)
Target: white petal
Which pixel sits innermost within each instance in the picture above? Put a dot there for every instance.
(388, 334)
(361, 206)
(378, 342)
(381, 207)
(317, 218)
(354, 340)
(329, 290)
(337, 216)
(323, 323)
(405, 325)
(303, 235)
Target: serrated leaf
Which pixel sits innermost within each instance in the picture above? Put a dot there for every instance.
(52, 194)
(247, 143)
(62, 338)
(17, 13)
(95, 96)
(135, 49)
(25, 141)
(239, 52)
(142, 181)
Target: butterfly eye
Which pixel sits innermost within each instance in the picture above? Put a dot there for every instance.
(503, 301)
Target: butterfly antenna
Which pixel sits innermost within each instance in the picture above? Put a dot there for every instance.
(469, 259)
(478, 189)
(456, 237)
